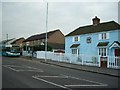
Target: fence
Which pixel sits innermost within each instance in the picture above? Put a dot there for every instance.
(70, 58)
(114, 62)
(90, 60)
(30, 53)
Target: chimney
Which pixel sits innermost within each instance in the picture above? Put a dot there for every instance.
(96, 21)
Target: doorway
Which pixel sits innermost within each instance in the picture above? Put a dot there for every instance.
(117, 52)
(117, 57)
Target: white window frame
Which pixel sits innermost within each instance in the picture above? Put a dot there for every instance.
(102, 51)
(76, 38)
(103, 36)
(75, 51)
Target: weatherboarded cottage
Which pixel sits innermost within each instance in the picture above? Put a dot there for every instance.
(101, 40)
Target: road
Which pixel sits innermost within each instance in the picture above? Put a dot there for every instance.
(22, 73)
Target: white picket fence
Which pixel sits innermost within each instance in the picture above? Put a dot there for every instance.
(114, 62)
(69, 58)
(30, 54)
(90, 60)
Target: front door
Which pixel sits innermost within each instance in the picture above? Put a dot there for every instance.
(103, 62)
(117, 55)
(117, 52)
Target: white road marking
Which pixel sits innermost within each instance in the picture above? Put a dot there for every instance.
(54, 76)
(50, 82)
(12, 67)
(8, 66)
(88, 80)
(84, 85)
(98, 83)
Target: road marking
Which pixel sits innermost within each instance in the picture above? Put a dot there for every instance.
(99, 84)
(84, 85)
(53, 76)
(7, 66)
(12, 67)
(51, 82)
(88, 80)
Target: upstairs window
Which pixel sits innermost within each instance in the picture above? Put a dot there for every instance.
(75, 39)
(88, 40)
(103, 36)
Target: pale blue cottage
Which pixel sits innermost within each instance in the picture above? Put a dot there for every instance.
(98, 39)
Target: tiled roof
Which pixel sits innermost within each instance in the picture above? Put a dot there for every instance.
(107, 26)
(6, 41)
(40, 36)
(17, 40)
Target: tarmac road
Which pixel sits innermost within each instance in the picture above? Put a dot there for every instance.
(23, 73)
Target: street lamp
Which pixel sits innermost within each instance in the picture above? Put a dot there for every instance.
(7, 39)
(46, 31)
(27, 44)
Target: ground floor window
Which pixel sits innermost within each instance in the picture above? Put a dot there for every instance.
(102, 51)
(74, 51)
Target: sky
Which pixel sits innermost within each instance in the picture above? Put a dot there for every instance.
(23, 18)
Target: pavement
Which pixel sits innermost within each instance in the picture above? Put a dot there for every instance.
(93, 69)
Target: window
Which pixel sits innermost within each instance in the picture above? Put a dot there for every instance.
(75, 39)
(102, 51)
(74, 51)
(103, 36)
(88, 40)
(42, 40)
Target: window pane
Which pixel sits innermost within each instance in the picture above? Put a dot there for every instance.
(102, 51)
(74, 51)
(88, 40)
(104, 35)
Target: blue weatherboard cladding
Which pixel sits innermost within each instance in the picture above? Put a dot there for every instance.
(91, 48)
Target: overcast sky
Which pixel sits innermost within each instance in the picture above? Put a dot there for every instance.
(23, 19)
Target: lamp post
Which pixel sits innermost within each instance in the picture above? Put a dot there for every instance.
(27, 44)
(46, 31)
(7, 39)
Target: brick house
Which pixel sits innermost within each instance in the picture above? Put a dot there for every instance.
(55, 40)
(18, 42)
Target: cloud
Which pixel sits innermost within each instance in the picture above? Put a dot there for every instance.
(28, 18)
(59, 0)
(0, 21)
